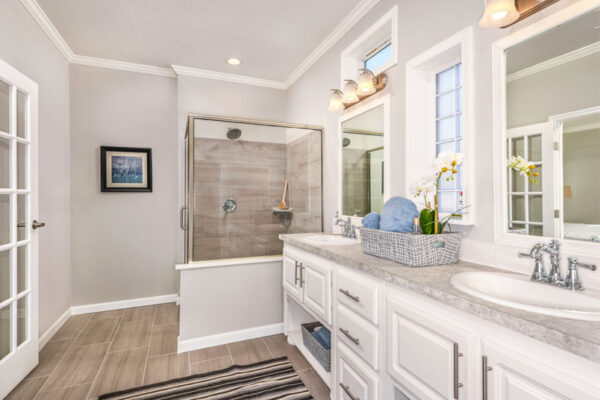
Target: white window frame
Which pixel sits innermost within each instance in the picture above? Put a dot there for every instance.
(385, 29)
(420, 149)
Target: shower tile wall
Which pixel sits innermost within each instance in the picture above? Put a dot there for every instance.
(253, 173)
(356, 182)
(303, 166)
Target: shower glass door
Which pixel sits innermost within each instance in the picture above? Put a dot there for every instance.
(237, 174)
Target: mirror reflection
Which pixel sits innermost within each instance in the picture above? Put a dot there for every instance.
(362, 163)
(553, 135)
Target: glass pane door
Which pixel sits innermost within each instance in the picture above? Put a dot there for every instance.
(14, 219)
(18, 247)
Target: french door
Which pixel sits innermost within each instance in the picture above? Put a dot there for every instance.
(18, 238)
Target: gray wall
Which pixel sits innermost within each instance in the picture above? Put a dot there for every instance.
(124, 244)
(568, 87)
(24, 46)
(581, 155)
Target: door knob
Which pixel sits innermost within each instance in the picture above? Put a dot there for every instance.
(35, 224)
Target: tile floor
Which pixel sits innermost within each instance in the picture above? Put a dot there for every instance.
(98, 353)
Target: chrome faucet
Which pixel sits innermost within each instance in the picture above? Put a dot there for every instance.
(347, 224)
(572, 280)
(554, 277)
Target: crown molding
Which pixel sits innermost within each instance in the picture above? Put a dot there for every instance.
(123, 66)
(222, 76)
(555, 62)
(338, 32)
(40, 17)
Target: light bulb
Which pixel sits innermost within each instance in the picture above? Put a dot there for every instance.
(233, 61)
(335, 101)
(350, 95)
(366, 84)
(498, 13)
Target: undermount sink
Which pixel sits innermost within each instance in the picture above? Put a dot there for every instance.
(330, 239)
(520, 292)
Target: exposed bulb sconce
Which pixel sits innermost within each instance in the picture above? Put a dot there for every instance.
(368, 84)
(499, 13)
(335, 101)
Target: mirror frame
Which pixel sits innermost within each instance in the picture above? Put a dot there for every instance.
(372, 102)
(502, 236)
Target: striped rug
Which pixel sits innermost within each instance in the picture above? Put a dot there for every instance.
(266, 380)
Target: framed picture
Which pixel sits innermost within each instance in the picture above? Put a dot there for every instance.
(125, 169)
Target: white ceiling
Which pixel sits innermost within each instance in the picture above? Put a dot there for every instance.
(272, 37)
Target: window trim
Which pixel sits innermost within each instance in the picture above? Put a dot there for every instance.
(420, 85)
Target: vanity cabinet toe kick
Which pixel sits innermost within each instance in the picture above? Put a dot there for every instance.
(391, 343)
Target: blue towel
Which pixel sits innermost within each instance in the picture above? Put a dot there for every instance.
(398, 215)
(323, 336)
(371, 220)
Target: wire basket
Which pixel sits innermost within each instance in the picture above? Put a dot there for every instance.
(414, 250)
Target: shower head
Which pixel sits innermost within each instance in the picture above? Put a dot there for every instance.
(234, 133)
(346, 142)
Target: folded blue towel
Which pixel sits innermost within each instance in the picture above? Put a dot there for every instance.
(323, 336)
(398, 215)
(371, 220)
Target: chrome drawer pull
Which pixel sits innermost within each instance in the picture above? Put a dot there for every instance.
(349, 336)
(296, 272)
(457, 385)
(484, 370)
(347, 293)
(346, 389)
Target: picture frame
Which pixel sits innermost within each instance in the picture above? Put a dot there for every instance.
(125, 169)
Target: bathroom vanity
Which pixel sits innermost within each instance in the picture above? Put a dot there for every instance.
(408, 333)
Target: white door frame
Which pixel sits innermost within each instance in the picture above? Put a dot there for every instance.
(22, 358)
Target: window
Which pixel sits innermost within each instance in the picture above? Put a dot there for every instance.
(449, 137)
(525, 198)
(378, 57)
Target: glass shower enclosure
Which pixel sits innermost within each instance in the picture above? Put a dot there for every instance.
(237, 171)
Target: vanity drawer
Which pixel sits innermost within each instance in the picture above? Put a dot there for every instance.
(358, 293)
(354, 379)
(361, 337)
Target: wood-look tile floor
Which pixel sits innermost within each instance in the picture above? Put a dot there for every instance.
(98, 353)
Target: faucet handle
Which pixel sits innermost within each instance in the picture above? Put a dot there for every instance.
(525, 255)
(574, 264)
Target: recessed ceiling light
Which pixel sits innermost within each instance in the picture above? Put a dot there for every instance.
(234, 61)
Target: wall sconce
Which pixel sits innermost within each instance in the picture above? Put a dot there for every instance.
(504, 13)
(368, 84)
(498, 13)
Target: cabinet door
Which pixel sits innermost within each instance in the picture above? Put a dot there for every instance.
(291, 277)
(316, 286)
(513, 376)
(424, 352)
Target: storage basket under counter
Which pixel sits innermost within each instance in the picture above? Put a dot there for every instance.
(321, 354)
(414, 250)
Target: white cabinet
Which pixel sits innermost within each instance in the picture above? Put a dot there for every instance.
(426, 353)
(308, 279)
(513, 375)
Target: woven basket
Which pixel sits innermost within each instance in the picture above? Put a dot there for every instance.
(322, 355)
(412, 249)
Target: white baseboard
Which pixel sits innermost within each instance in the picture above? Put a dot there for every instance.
(45, 337)
(228, 337)
(117, 305)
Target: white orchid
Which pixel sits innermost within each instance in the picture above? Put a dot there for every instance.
(524, 167)
(448, 161)
(423, 188)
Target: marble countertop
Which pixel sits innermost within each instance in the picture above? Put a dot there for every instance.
(578, 337)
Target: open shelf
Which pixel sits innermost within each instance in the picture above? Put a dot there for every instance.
(296, 316)
(296, 337)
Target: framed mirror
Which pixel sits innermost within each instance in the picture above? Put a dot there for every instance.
(362, 151)
(548, 147)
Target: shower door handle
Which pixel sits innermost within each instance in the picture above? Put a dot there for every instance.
(182, 220)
